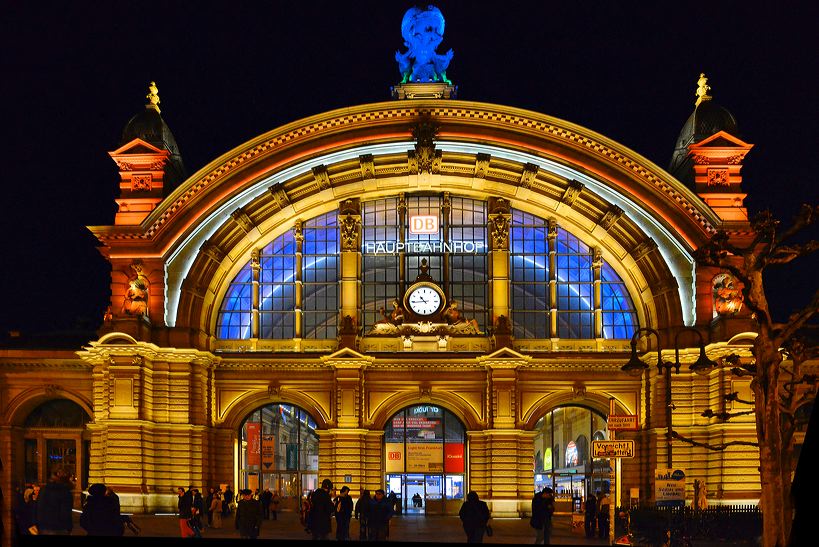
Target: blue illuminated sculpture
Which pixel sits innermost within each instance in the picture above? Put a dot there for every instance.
(423, 31)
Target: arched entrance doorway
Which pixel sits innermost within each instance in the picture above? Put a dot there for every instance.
(424, 451)
(562, 455)
(54, 436)
(278, 449)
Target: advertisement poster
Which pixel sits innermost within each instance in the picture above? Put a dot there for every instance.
(292, 456)
(425, 457)
(571, 454)
(268, 451)
(419, 427)
(395, 457)
(669, 487)
(254, 437)
(454, 454)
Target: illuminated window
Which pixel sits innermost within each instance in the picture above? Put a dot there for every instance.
(277, 287)
(574, 281)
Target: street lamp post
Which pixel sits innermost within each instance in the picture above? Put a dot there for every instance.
(636, 367)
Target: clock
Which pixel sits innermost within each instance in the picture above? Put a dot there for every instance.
(424, 299)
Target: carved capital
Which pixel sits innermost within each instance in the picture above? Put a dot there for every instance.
(610, 217)
(571, 192)
(350, 226)
(551, 235)
(527, 177)
(298, 233)
(255, 263)
(243, 220)
(597, 258)
(482, 165)
(643, 248)
(279, 195)
(212, 251)
(367, 165)
(322, 177)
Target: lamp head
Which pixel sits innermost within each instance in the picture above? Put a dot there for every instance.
(703, 364)
(635, 367)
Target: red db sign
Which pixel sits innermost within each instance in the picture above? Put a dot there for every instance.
(423, 224)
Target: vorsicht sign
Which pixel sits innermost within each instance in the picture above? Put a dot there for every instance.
(627, 422)
(613, 449)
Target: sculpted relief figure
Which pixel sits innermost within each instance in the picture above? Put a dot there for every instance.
(390, 323)
(423, 31)
(136, 296)
(458, 323)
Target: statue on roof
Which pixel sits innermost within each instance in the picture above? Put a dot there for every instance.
(423, 31)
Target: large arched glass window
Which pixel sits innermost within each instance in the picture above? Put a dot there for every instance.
(315, 244)
(540, 258)
(456, 252)
(424, 449)
(562, 449)
(279, 450)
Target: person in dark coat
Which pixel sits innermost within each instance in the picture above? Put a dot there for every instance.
(344, 511)
(379, 517)
(208, 504)
(321, 511)
(266, 498)
(227, 500)
(590, 519)
(198, 509)
(475, 516)
(603, 515)
(53, 514)
(185, 507)
(362, 511)
(543, 507)
(101, 515)
(248, 515)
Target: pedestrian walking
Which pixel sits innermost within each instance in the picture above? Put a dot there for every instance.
(379, 517)
(185, 506)
(248, 515)
(590, 518)
(304, 511)
(274, 506)
(216, 510)
(101, 514)
(227, 501)
(209, 504)
(603, 515)
(198, 509)
(475, 517)
(266, 498)
(321, 511)
(344, 511)
(362, 512)
(54, 503)
(543, 507)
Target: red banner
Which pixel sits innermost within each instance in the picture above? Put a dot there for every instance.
(453, 458)
(254, 437)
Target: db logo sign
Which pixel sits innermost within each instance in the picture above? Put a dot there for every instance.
(423, 224)
(394, 455)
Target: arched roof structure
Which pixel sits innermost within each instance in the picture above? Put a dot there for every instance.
(647, 223)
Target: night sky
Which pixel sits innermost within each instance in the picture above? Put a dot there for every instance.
(227, 72)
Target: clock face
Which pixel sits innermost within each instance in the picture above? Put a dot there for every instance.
(424, 300)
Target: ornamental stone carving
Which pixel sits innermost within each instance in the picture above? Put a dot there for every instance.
(482, 165)
(499, 231)
(610, 217)
(571, 193)
(717, 177)
(425, 155)
(141, 183)
(136, 295)
(350, 226)
(243, 220)
(322, 177)
(279, 195)
(423, 31)
(367, 166)
(527, 177)
(728, 297)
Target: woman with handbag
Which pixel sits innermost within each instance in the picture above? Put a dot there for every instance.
(475, 517)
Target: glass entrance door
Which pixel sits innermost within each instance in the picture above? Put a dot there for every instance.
(414, 496)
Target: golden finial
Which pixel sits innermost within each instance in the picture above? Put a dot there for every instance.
(702, 90)
(153, 97)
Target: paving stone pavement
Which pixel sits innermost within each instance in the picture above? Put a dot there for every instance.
(404, 528)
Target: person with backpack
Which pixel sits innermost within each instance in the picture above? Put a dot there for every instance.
(475, 517)
(343, 505)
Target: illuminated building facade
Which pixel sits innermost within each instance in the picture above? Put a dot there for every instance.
(427, 294)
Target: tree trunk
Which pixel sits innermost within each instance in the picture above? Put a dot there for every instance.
(774, 460)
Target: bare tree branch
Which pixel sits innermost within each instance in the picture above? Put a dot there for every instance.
(709, 446)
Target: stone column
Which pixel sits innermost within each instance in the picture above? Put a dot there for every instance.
(298, 234)
(499, 222)
(256, 268)
(350, 267)
(597, 265)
